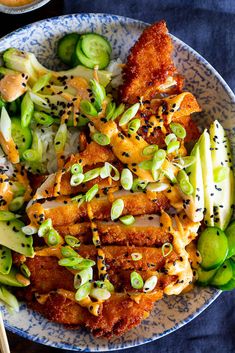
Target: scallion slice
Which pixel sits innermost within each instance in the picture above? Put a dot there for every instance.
(70, 261)
(7, 216)
(134, 126)
(118, 111)
(77, 179)
(186, 187)
(45, 227)
(129, 114)
(136, 256)
(169, 138)
(158, 186)
(146, 165)
(29, 230)
(98, 92)
(42, 82)
(5, 124)
(178, 130)
(52, 238)
(67, 251)
(136, 280)
(101, 139)
(84, 264)
(116, 209)
(110, 110)
(184, 162)
(17, 188)
(220, 173)
(60, 138)
(43, 118)
(126, 179)
(25, 270)
(166, 249)
(8, 298)
(139, 184)
(150, 284)
(31, 155)
(83, 277)
(108, 170)
(149, 150)
(76, 169)
(16, 203)
(173, 146)
(27, 109)
(72, 241)
(127, 220)
(91, 174)
(83, 291)
(100, 293)
(88, 108)
(90, 194)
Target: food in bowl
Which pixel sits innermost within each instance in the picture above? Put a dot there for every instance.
(115, 225)
(15, 3)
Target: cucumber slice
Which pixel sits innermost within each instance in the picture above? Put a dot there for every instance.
(223, 275)
(10, 278)
(66, 47)
(213, 247)
(102, 61)
(21, 135)
(5, 260)
(204, 277)
(94, 45)
(228, 286)
(230, 232)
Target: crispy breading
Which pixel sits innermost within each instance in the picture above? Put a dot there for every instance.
(149, 64)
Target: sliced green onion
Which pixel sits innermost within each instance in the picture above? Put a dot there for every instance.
(126, 179)
(101, 139)
(129, 114)
(118, 111)
(98, 92)
(60, 138)
(17, 188)
(110, 110)
(84, 264)
(83, 291)
(70, 261)
(166, 249)
(150, 284)
(77, 179)
(146, 165)
(43, 118)
(178, 130)
(186, 187)
(27, 109)
(91, 174)
(134, 126)
(5, 260)
(107, 171)
(100, 294)
(42, 82)
(116, 209)
(139, 184)
(52, 238)
(9, 299)
(25, 270)
(67, 251)
(31, 155)
(79, 198)
(184, 162)
(7, 216)
(220, 173)
(45, 227)
(108, 285)
(169, 138)
(72, 241)
(90, 194)
(5, 124)
(127, 220)
(83, 277)
(158, 186)
(169, 173)
(136, 256)
(39, 101)
(88, 108)
(76, 168)
(16, 203)
(136, 280)
(149, 150)
(158, 159)
(37, 145)
(173, 146)
(182, 175)
(29, 230)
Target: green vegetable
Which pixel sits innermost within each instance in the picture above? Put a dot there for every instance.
(90, 194)
(230, 232)
(126, 179)
(169, 138)
(45, 227)
(136, 256)
(83, 291)
(101, 139)
(9, 299)
(52, 238)
(76, 168)
(116, 209)
(167, 248)
(83, 277)
(10, 278)
(25, 270)
(136, 280)
(91, 174)
(42, 82)
(149, 150)
(7, 216)
(129, 114)
(76, 179)
(213, 247)
(108, 170)
(204, 277)
(27, 110)
(66, 47)
(88, 108)
(72, 241)
(67, 251)
(99, 93)
(110, 110)
(5, 260)
(173, 146)
(43, 118)
(150, 284)
(158, 159)
(127, 220)
(223, 275)
(134, 126)
(60, 138)
(5, 124)
(101, 61)
(16, 203)
(118, 111)
(31, 155)
(178, 130)
(100, 293)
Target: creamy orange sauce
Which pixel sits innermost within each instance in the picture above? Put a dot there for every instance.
(15, 3)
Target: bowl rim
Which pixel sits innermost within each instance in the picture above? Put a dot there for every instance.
(217, 293)
(17, 10)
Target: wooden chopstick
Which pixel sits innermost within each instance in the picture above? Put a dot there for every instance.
(4, 346)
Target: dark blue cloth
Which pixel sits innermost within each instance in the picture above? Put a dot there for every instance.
(208, 26)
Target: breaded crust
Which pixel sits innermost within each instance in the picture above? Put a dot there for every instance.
(148, 64)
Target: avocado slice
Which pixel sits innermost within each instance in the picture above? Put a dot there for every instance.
(8, 298)
(10, 278)
(5, 260)
(194, 204)
(208, 179)
(13, 238)
(224, 189)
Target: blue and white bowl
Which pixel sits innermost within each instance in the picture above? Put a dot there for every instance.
(217, 101)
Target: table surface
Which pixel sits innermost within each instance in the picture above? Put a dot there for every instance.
(208, 27)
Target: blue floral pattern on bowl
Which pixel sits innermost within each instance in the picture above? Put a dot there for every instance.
(217, 101)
